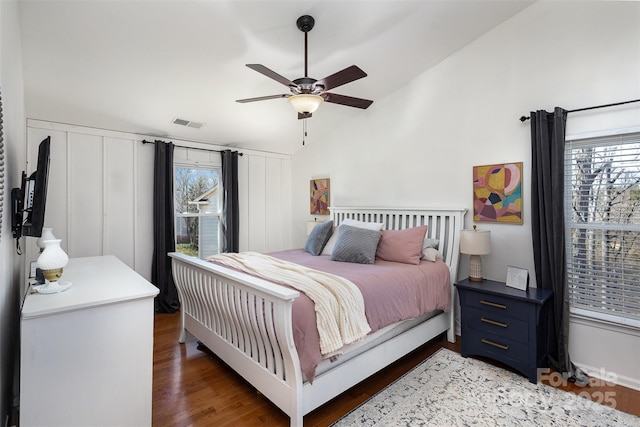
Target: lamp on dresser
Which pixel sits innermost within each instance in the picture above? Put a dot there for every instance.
(51, 261)
(475, 243)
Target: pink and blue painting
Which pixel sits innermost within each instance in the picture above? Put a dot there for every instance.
(319, 196)
(497, 193)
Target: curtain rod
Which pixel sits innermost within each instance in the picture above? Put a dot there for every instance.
(144, 141)
(524, 118)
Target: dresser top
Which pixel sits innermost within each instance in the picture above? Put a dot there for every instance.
(492, 287)
(95, 281)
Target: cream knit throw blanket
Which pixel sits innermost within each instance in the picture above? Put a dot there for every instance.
(338, 302)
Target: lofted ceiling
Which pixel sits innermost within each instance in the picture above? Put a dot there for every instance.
(136, 65)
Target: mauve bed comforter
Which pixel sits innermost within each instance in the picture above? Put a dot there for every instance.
(392, 292)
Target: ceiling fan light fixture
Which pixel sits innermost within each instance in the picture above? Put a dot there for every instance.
(306, 102)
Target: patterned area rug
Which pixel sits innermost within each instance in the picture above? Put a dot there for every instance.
(449, 390)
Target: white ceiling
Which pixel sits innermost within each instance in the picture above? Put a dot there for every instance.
(136, 65)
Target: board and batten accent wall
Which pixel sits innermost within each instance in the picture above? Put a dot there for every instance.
(100, 192)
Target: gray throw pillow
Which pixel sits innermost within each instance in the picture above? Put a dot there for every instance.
(357, 245)
(430, 243)
(318, 237)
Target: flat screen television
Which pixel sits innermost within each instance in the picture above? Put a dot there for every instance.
(29, 201)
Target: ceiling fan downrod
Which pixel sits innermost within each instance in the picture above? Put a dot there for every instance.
(305, 24)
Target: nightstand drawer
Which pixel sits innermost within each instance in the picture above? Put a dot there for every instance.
(497, 323)
(498, 348)
(497, 305)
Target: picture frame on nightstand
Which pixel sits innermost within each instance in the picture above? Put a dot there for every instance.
(517, 278)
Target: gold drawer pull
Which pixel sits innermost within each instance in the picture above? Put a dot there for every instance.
(504, 347)
(493, 322)
(493, 304)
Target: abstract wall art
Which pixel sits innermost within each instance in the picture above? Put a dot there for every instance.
(497, 193)
(319, 196)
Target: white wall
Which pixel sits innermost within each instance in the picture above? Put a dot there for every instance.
(11, 83)
(100, 193)
(417, 147)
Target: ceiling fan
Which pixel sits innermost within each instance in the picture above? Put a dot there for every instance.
(308, 93)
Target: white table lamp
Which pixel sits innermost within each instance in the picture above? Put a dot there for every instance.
(51, 261)
(310, 226)
(475, 243)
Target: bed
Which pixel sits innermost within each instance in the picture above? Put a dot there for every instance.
(247, 321)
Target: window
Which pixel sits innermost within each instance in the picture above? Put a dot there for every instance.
(602, 212)
(197, 210)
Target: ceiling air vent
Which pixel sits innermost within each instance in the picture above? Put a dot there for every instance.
(187, 123)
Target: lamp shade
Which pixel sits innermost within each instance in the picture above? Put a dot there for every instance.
(305, 102)
(52, 257)
(475, 242)
(310, 226)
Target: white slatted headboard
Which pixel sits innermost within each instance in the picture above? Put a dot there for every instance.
(443, 224)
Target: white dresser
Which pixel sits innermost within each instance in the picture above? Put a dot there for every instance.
(87, 353)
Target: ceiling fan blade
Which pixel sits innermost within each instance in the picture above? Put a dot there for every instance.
(345, 76)
(271, 74)
(262, 98)
(349, 101)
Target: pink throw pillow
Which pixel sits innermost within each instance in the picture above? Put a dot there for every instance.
(402, 245)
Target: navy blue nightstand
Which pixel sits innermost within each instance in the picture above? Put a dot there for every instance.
(505, 324)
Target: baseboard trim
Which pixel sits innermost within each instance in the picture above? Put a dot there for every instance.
(612, 377)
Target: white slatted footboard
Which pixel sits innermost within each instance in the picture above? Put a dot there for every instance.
(246, 321)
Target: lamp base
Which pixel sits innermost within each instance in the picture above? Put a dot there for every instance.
(52, 287)
(475, 268)
(52, 275)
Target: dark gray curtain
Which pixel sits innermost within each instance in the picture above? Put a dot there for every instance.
(230, 208)
(1, 170)
(547, 213)
(163, 229)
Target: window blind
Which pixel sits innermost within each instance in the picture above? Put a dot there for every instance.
(602, 220)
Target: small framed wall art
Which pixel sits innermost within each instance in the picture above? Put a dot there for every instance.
(319, 190)
(497, 193)
(517, 278)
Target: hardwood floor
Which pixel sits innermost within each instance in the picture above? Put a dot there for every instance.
(194, 388)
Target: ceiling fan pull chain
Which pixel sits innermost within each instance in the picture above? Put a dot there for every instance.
(304, 131)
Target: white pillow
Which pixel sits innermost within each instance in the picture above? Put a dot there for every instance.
(431, 254)
(328, 248)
